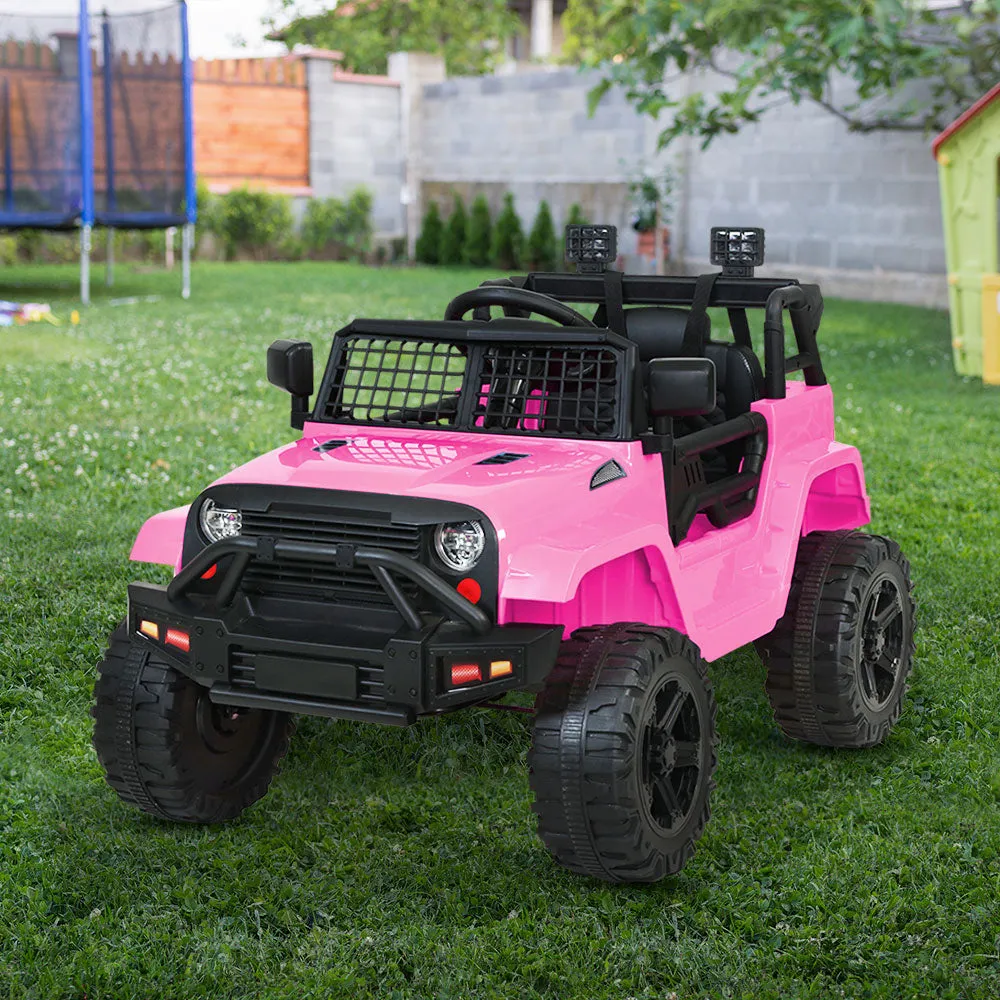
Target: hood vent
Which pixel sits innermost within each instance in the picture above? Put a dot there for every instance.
(330, 445)
(607, 473)
(504, 458)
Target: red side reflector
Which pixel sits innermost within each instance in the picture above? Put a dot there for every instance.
(210, 572)
(470, 590)
(465, 673)
(175, 637)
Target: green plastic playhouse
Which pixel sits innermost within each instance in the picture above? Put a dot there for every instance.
(968, 156)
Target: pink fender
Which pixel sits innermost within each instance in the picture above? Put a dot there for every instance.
(722, 587)
(161, 538)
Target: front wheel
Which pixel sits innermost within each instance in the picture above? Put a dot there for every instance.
(623, 752)
(168, 749)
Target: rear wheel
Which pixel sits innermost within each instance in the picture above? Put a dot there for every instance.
(168, 749)
(623, 752)
(838, 659)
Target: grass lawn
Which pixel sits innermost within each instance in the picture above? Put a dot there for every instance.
(404, 862)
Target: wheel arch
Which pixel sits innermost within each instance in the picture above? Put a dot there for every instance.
(161, 539)
(836, 496)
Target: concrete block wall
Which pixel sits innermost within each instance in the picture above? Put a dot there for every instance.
(355, 129)
(530, 134)
(859, 212)
(835, 203)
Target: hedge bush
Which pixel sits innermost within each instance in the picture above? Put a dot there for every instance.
(428, 246)
(453, 239)
(479, 235)
(337, 229)
(542, 243)
(508, 237)
(257, 223)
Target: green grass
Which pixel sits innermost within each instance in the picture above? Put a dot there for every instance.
(404, 863)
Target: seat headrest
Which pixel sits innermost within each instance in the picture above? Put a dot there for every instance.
(657, 331)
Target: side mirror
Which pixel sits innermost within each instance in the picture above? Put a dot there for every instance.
(681, 387)
(290, 367)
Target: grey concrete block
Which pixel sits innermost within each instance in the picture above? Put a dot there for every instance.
(910, 193)
(813, 252)
(794, 192)
(854, 255)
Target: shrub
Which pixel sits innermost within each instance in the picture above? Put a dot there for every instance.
(322, 225)
(479, 234)
(429, 241)
(358, 227)
(508, 237)
(453, 240)
(542, 241)
(254, 222)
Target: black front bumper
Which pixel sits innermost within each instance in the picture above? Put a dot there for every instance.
(336, 667)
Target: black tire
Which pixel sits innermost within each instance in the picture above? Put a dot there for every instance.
(166, 748)
(612, 797)
(837, 661)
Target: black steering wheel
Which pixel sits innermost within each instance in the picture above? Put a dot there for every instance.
(515, 298)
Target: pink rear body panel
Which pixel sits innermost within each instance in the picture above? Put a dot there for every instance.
(574, 556)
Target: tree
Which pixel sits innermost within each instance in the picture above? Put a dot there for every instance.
(775, 53)
(479, 238)
(542, 241)
(508, 237)
(470, 36)
(428, 246)
(453, 240)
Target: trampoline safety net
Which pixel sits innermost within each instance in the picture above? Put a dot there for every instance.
(129, 128)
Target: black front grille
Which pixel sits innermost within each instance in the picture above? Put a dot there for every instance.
(325, 581)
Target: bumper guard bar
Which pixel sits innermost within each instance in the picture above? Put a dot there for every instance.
(382, 563)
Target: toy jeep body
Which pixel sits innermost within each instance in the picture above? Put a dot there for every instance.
(589, 510)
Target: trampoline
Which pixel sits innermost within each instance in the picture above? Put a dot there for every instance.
(96, 125)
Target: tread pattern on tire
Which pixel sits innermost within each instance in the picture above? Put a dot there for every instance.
(135, 711)
(581, 759)
(811, 671)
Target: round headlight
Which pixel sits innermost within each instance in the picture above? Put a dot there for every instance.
(459, 546)
(219, 522)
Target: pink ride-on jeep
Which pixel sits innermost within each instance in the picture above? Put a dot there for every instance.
(588, 508)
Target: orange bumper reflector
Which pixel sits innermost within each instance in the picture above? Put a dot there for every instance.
(209, 573)
(175, 637)
(150, 629)
(470, 590)
(501, 668)
(465, 673)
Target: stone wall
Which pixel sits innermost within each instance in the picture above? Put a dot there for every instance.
(530, 134)
(859, 212)
(356, 139)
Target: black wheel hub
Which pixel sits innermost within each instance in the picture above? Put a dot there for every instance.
(671, 754)
(222, 728)
(883, 626)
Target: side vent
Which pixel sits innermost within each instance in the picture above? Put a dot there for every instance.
(607, 473)
(504, 458)
(330, 445)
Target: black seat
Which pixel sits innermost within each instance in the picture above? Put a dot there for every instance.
(658, 332)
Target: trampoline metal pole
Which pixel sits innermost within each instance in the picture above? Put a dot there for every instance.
(85, 83)
(187, 240)
(190, 202)
(109, 270)
(86, 232)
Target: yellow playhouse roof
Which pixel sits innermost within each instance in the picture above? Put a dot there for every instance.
(963, 119)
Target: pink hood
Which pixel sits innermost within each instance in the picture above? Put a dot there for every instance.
(553, 477)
